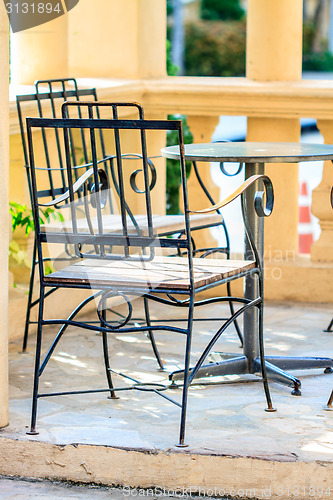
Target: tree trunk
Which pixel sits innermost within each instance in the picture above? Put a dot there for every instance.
(177, 40)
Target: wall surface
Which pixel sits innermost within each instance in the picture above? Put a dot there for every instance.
(4, 220)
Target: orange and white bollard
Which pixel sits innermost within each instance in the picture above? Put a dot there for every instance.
(305, 226)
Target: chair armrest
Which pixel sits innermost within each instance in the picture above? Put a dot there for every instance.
(84, 177)
(76, 186)
(258, 199)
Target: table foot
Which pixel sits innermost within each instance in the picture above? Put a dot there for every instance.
(328, 406)
(276, 374)
(233, 366)
(275, 367)
(329, 328)
(300, 363)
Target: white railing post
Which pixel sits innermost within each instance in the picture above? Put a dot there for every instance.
(322, 249)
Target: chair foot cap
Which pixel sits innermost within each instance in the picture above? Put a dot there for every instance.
(327, 408)
(32, 433)
(182, 445)
(270, 409)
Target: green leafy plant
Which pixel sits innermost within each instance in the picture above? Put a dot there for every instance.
(22, 218)
(19, 255)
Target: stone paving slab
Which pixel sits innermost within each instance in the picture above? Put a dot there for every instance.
(227, 418)
(225, 421)
(20, 489)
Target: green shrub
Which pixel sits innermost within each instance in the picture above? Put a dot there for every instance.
(173, 178)
(309, 32)
(221, 10)
(315, 61)
(172, 69)
(215, 48)
(322, 61)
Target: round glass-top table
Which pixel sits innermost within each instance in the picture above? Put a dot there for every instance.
(254, 155)
(252, 152)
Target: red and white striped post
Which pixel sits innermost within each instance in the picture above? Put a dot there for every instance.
(305, 226)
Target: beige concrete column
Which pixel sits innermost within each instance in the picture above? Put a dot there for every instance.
(202, 129)
(274, 52)
(274, 40)
(152, 24)
(322, 249)
(40, 53)
(113, 39)
(4, 220)
(281, 231)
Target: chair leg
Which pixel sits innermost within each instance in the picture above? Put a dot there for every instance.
(329, 328)
(329, 406)
(262, 360)
(181, 443)
(151, 335)
(31, 289)
(107, 361)
(37, 364)
(232, 311)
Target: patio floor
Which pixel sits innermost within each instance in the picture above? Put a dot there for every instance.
(225, 420)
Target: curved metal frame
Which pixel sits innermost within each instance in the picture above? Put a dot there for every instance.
(51, 96)
(64, 93)
(225, 250)
(101, 241)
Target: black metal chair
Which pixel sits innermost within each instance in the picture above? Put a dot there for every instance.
(129, 258)
(329, 405)
(45, 102)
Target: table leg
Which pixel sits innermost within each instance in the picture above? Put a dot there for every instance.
(249, 363)
(251, 289)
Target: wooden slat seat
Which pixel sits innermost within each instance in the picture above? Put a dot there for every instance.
(160, 273)
(162, 224)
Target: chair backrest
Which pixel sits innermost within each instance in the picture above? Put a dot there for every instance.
(128, 236)
(48, 102)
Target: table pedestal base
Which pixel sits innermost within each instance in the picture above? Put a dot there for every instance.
(275, 366)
